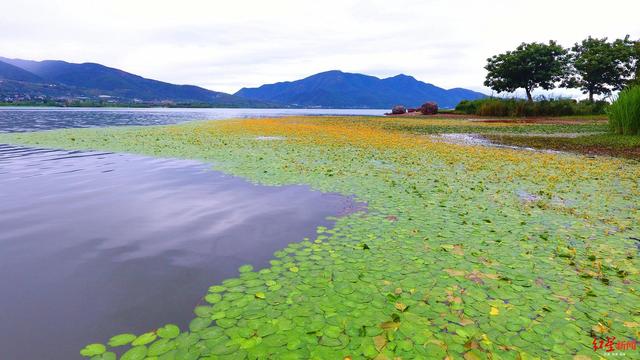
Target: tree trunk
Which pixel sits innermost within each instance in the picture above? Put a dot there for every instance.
(591, 96)
(529, 97)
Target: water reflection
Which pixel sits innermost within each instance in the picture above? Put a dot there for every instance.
(93, 244)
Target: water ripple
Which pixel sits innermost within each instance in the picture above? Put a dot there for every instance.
(93, 244)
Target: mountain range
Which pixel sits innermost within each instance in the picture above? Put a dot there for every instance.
(56, 80)
(60, 79)
(339, 89)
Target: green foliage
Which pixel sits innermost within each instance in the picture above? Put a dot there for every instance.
(121, 339)
(93, 350)
(529, 66)
(598, 66)
(521, 108)
(145, 338)
(495, 107)
(169, 331)
(245, 268)
(636, 64)
(468, 106)
(624, 113)
(135, 353)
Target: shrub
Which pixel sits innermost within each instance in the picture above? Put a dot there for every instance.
(429, 108)
(467, 107)
(494, 108)
(523, 108)
(624, 113)
(586, 107)
(398, 109)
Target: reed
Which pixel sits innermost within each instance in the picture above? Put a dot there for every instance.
(624, 113)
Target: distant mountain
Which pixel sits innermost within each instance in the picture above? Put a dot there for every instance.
(337, 89)
(93, 80)
(11, 72)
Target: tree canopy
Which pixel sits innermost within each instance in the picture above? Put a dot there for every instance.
(636, 60)
(529, 66)
(599, 67)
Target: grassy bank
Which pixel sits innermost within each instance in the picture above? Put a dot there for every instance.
(465, 251)
(444, 125)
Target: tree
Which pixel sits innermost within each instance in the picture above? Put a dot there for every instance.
(599, 67)
(636, 63)
(529, 66)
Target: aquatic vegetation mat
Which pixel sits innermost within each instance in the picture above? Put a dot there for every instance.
(465, 251)
(627, 146)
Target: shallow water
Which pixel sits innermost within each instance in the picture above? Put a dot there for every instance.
(479, 140)
(18, 119)
(93, 244)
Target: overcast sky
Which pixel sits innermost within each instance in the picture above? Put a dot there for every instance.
(226, 45)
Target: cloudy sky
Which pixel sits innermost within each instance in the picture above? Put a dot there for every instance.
(225, 45)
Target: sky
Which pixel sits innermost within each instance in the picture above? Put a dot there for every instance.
(227, 45)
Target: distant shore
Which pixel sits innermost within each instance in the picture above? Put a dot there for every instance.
(129, 105)
(172, 106)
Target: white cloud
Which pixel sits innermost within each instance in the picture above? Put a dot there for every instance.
(225, 45)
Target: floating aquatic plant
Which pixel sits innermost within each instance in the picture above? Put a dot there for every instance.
(447, 261)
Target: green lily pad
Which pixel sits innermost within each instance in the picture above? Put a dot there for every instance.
(332, 331)
(160, 347)
(218, 315)
(217, 289)
(144, 339)
(266, 329)
(121, 339)
(168, 331)
(135, 353)
(245, 268)
(198, 324)
(202, 311)
(213, 298)
(93, 350)
(105, 356)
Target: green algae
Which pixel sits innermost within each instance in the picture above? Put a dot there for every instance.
(448, 260)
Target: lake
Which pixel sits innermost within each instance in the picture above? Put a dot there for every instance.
(15, 119)
(94, 244)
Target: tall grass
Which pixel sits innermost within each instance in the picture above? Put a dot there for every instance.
(624, 113)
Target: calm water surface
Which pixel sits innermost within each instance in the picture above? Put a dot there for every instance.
(94, 244)
(14, 119)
